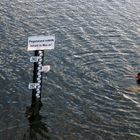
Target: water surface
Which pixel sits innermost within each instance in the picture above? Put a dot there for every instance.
(84, 95)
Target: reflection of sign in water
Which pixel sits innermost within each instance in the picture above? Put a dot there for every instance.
(37, 127)
(41, 43)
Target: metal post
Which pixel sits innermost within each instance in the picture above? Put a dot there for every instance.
(37, 75)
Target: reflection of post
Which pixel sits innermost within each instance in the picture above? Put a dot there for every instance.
(37, 128)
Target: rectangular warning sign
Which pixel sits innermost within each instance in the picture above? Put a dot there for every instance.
(41, 43)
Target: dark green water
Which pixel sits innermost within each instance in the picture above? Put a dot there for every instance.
(83, 96)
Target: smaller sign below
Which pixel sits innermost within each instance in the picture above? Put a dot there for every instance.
(41, 43)
(32, 85)
(46, 68)
(34, 59)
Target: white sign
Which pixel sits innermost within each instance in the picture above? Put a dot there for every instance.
(46, 68)
(41, 43)
(34, 59)
(32, 85)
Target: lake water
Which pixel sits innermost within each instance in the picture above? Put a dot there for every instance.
(84, 95)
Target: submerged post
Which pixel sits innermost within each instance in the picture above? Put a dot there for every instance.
(39, 44)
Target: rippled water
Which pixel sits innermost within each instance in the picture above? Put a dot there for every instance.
(84, 95)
